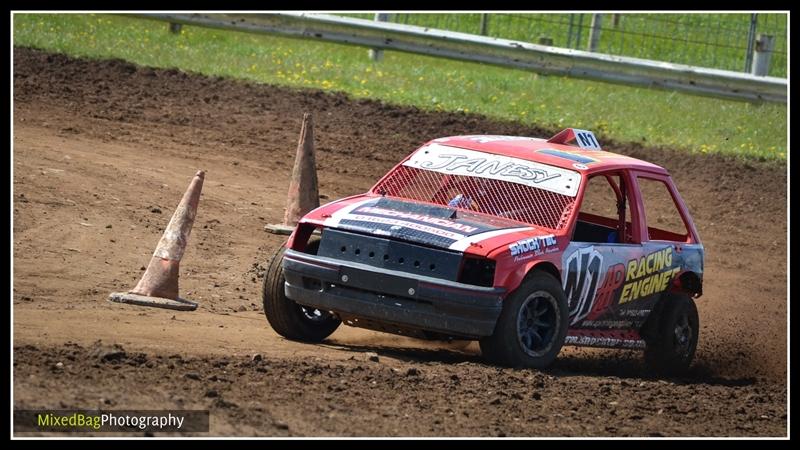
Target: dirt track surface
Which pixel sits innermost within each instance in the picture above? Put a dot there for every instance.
(102, 154)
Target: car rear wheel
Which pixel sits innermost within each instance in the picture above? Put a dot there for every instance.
(288, 318)
(532, 326)
(671, 347)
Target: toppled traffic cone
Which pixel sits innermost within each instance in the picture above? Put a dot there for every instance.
(303, 190)
(159, 284)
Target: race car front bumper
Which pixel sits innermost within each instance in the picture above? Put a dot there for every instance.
(391, 297)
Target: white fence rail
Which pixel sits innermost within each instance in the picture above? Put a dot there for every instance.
(469, 47)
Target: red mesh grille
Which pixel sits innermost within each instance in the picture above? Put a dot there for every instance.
(498, 198)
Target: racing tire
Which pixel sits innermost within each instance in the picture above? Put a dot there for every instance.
(532, 326)
(670, 348)
(287, 318)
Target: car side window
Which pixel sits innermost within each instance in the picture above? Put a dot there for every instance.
(664, 221)
(599, 215)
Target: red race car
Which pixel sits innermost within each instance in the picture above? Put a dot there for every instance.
(523, 244)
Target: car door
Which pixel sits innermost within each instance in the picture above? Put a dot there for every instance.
(606, 236)
(670, 242)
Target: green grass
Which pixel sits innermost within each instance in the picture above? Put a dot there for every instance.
(706, 40)
(626, 114)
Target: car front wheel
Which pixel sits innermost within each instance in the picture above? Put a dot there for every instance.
(532, 326)
(288, 318)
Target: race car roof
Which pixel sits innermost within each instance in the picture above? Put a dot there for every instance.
(539, 150)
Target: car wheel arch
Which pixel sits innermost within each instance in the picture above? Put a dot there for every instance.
(689, 283)
(513, 281)
(652, 322)
(544, 266)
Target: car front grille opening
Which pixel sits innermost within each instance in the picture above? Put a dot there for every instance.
(306, 239)
(478, 272)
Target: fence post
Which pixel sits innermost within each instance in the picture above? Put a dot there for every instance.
(569, 30)
(762, 53)
(174, 28)
(751, 38)
(484, 23)
(376, 54)
(594, 33)
(580, 31)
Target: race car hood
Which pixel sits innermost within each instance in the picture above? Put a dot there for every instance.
(422, 223)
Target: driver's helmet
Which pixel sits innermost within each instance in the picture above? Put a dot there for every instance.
(460, 201)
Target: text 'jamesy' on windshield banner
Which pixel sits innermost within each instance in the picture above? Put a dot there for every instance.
(471, 163)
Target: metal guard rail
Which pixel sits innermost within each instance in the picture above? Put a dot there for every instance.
(503, 52)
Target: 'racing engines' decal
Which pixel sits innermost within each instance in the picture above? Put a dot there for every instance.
(607, 288)
(583, 269)
(647, 275)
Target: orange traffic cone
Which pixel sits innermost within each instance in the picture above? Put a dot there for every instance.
(159, 285)
(303, 189)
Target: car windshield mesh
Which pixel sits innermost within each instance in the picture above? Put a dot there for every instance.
(485, 195)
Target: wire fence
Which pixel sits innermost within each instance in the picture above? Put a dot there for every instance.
(721, 41)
